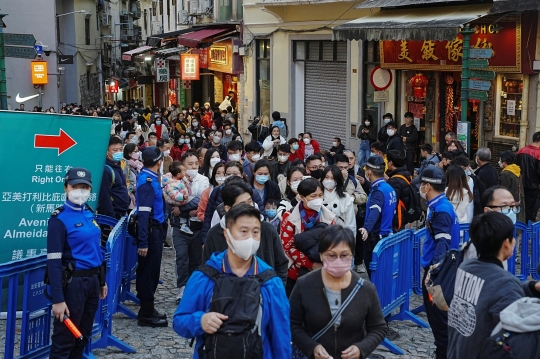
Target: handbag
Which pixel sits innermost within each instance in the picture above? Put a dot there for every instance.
(296, 353)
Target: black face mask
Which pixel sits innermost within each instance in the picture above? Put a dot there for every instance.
(350, 171)
(317, 174)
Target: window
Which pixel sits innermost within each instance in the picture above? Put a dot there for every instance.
(145, 20)
(228, 10)
(161, 7)
(154, 8)
(320, 51)
(87, 31)
(263, 77)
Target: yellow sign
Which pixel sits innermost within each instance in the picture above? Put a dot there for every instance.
(218, 55)
(39, 72)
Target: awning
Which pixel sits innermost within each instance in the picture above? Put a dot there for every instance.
(295, 2)
(437, 23)
(193, 39)
(169, 51)
(128, 54)
(395, 3)
(501, 6)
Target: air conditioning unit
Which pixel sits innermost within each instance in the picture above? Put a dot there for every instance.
(194, 7)
(156, 27)
(182, 17)
(204, 5)
(105, 19)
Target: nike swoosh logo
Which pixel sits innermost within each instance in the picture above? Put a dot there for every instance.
(64, 60)
(24, 99)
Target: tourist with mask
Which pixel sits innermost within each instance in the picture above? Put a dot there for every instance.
(336, 199)
(289, 187)
(270, 250)
(198, 315)
(253, 154)
(308, 146)
(228, 133)
(211, 159)
(429, 159)
(512, 180)
(216, 143)
(335, 294)
(395, 142)
(295, 146)
(216, 179)
(179, 147)
(234, 151)
(305, 216)
(261, 182)
(79, 246)
(132, 157)
(367, 133)
(382, 135)
(485, 171)
(314, 166)
(380, 208)
(458, 193)
(259, 129)
(271, 143)
(443, 234)
(281, 166)
(409, 136)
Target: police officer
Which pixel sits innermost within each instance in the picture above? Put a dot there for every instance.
(380, 208)
(74, 262)
(150, 237)
(442, 235)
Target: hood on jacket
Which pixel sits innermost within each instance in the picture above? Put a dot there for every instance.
(216, 261)
(515, 169)
(278, 123)
(522, 316)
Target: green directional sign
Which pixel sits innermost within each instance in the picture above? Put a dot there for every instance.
(479, 85)
(478, 63)
(480, 53)
(482, 74)
(20, 52)
(478, 95)
(37, 159)
(19, 39)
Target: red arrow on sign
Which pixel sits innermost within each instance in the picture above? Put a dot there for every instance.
(62, 142)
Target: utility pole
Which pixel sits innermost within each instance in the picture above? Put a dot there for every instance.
(465, 75)
(3, 81)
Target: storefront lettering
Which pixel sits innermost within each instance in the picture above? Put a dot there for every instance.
(428, 50)
(455, 49)
(218, 55)
(404, 54)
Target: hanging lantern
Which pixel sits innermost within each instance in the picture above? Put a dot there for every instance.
(419, 83)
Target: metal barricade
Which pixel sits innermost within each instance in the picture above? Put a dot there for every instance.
(534, 235)
(128, 274)
(391, 273)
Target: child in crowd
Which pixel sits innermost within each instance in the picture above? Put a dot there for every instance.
(270, 208)
(177, 190)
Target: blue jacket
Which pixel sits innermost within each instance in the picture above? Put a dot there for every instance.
(248, 169)
(73, 236)
(276, 330)
(113, 195)
(442, 230)
(149, 203)
(380, 208)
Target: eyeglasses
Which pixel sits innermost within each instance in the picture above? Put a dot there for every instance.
(333, 257)
(507, 209)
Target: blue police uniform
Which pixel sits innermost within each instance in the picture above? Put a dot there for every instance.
(380, 209)
(151, 226)
(73, 241)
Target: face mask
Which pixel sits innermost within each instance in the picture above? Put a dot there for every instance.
(317, 174)
(334, 144)
(182, 141)
(283, 158)
(198, 135)
(214, 127)
(271, 213)
(79, 196)
(192, 173)
(367, 123)
(117, 156)
(337, 268)
(234, 157)
(261, 178)
(386, 121)
(315, 204)
(228, 132)
(221, 179)
(193, 139)
(423, 194)
(195, 124)
(214, 161)
(295, 147)
(207, 107)
(294, 185)
(190, 111)
(135, 155)
(500, 164)
(390, 132)
(512, 216)
(329, 184)
(158, 123)
(217, 139)
(184, 112)
(307, 141)
(243, 249)
(256, 157)
(372, 154)
(166, 153)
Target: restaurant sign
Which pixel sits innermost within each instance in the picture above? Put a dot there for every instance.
(504, 39)
(220, 57)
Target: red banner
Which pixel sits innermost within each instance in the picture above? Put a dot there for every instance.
(203, 57)
(504, 38)
(190, 66)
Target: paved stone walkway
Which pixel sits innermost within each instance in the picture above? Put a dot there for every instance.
(164, 343)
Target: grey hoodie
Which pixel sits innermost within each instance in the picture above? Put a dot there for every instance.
(522, 316)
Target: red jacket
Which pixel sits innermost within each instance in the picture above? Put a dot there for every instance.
(177, 152)
(302, 150)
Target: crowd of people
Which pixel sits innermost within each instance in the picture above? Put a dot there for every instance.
(273, 236)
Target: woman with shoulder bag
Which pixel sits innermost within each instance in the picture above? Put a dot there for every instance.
(354, 326)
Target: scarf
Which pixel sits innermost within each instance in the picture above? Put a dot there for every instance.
(514, 169)
(137, 165)
(309, 221)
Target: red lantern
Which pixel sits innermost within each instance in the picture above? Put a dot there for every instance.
(419, 83)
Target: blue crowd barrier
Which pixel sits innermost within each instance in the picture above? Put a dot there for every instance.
(128, 274)
(535, 250)
(391, 273)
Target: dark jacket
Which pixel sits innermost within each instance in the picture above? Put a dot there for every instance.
(371, 136)
(382, 135)
(395, 143)
(399, 185)
(221, 149)
(271, 190)
(258, 132)
(488, 175)
(274, 170)
(528, 159)
(310, 313)
(307, 242)
(113, 195)
(270, 249)
(412, 136)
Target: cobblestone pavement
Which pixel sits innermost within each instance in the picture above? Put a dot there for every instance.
(165, 343)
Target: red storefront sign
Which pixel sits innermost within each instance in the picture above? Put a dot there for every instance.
(203, 57)
(504, 39)
(190, 66)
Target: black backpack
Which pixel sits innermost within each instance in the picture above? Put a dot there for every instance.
(511, 345)
(478, 190)
(239, 298)
(414, 212)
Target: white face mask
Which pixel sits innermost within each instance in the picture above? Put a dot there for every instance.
(79, 196)
(221, 179)
(228, 132)
(315, 204)
(244, 249)
(255, 158)
(214, 161)
(329, 184)
(283, 158)
(217, 139)
(334, 144)
(423, 194)
(500, 164)
(234, 157)
(307, 141)
(192, 173)
(367, 123)
(386, 121)
(390, 132)
(166, 153)
(294, 186)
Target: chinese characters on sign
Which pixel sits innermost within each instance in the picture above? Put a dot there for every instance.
(162, 70)
(39, 73)
(511, 107)
(190, 66)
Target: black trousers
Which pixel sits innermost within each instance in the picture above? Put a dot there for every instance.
(82, 299)
(438, 321)
(369, 245)
(410, 154)
(148, 271)
(188, 248)
(531, 206)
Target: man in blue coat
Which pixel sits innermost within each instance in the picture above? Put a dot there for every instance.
(194, 317)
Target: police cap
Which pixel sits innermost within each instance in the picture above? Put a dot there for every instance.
(433, 175)
(376, 162)
(78, 175)
(151, 154)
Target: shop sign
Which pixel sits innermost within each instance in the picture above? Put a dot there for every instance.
(417, 109)
(39, 72)
(220, 57)
(203, 57)
(478, 95)
(190, 66)
(511, 107)
(463, 134)
(113, 86)
(481, 53)
(479, 85)
(478, 64)
(162, 70)
(503, 39)
(482, 74)
(380, 96)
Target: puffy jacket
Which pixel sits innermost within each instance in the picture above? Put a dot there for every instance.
(302, 150)
(528, 159)
(399, 185)
(382, 136)
(371, 135)
(395, 143)
(258, 132)
(271, 190)
(307, 242)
